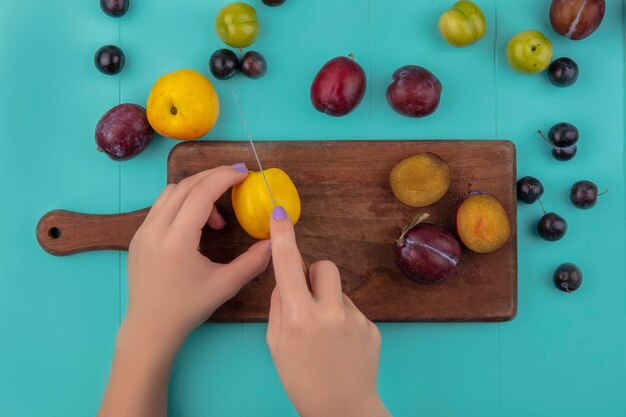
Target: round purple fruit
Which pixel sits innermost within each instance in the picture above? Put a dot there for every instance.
(224, 64)
(551, 227)
(529, 189)
(114, 8)
(584, 194)
(273, 3)
(414, 91)
(124, 132)
(563, 135)
(562, 153)
(109, 60)
(563, 72)
(567, 277)
(576, 19)
(338, 87)
(253, 65)
(426, 253)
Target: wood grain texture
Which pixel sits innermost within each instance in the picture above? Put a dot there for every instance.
(349, 216)
(63, 232)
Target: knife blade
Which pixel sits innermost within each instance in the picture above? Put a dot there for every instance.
(305, 267)
(256, 155)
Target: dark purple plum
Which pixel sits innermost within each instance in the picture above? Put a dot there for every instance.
(551, 227)
(564, 154)
(114, 8)
(223, 64)
(253, 65)
(414, 91)
(563, 72)
(558, 153)
(576, 19)
(563, 135)
(109, 59)
(426, 253)
(273, 3)
(567, 277)
(584, 194)
(123, 132)
(529, 189)
(338, 87)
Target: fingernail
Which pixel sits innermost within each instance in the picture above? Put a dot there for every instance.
(240, 167)
(279, 213)
(269, 248)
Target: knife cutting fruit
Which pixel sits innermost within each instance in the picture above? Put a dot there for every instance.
(253, 199)
(252, 205)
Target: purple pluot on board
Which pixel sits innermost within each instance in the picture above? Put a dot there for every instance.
(427, 253)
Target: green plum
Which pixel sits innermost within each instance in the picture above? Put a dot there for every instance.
(463, 24)
(529, 51)
(237, 25)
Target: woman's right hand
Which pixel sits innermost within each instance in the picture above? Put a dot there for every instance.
(325, 350)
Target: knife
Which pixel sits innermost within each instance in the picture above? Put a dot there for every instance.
(256, 155)
(305, 267)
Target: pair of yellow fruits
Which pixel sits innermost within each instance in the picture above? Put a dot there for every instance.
(183, 105)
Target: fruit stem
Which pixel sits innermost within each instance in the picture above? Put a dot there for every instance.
(606, 190)
(542, 207)
(351, 56)
(416, 220)
(469, 186)
(544, 138)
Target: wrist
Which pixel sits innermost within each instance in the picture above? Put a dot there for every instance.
(374, 408)
(381, 410)
(147, 339)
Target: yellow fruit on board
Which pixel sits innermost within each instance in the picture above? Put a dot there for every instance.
(420, 180)
(253, 205)
(183, 105)
(482, 223)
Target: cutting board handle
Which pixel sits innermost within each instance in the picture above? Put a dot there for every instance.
(62, 232)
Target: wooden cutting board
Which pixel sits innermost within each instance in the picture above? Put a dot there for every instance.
(349, 216)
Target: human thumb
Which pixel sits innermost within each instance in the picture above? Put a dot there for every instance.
(245, 267)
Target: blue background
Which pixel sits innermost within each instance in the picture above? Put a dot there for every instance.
(564, 355)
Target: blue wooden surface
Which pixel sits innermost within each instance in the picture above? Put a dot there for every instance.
(564, 355)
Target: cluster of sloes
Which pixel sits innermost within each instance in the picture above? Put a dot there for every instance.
(583, 195)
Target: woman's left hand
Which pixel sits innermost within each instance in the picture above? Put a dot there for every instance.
(172, 287)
